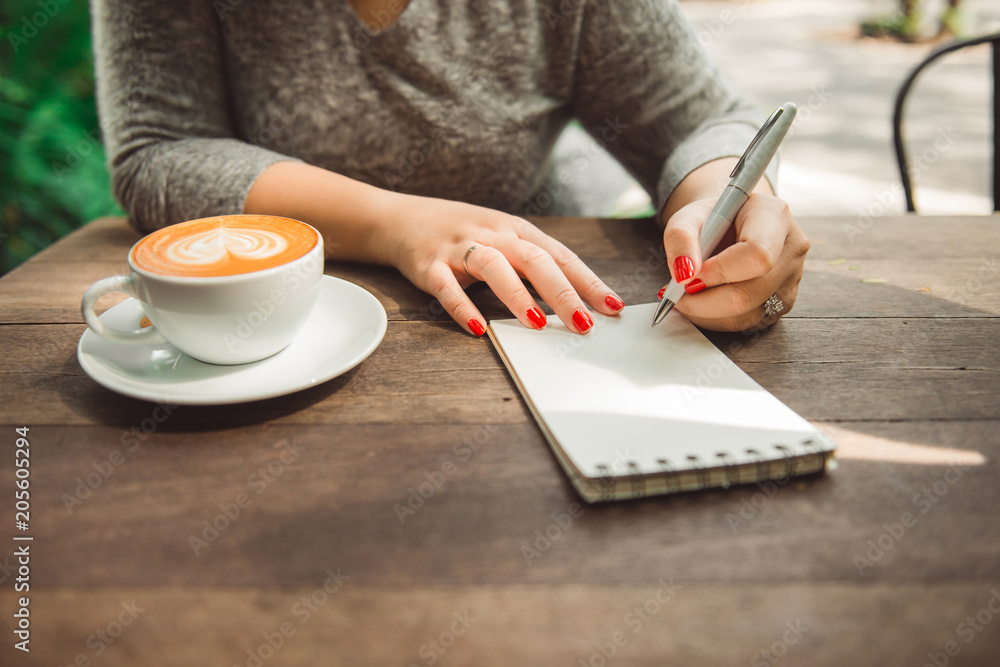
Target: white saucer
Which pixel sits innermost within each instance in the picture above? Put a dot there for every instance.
(346, 326)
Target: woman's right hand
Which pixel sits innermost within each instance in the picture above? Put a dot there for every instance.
(429, 240)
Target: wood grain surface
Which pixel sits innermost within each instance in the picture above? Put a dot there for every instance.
(409, 512)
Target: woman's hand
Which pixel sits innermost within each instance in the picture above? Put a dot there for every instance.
(430, 244)
(427, 240)
(762, 255)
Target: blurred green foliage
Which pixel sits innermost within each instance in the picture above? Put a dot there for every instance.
(52, 173)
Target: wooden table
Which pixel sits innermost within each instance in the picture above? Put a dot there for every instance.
(892, 559)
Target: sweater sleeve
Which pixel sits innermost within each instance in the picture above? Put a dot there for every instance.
(164, 105)
(646, 90)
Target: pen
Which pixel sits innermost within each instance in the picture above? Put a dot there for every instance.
(744, 178)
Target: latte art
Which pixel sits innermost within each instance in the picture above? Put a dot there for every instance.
(224, 246)
(215, 245)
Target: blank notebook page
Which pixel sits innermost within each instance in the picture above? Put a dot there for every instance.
(631, 398)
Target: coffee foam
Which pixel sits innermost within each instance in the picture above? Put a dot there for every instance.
(224, 246)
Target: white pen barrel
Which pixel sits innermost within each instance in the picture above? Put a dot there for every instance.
(721, 217)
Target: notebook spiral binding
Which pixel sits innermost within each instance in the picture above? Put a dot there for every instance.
(694, 473)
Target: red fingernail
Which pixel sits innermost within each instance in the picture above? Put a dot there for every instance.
(536, 317)
(614, 303)
(477, 327)
(695, 286)
(683, 268)
(582, 321)
(659, 295)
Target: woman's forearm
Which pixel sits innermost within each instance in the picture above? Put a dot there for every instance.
(353, 217)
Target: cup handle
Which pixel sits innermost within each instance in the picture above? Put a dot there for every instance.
(147, 336)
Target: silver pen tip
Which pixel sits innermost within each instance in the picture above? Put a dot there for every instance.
(662, 311)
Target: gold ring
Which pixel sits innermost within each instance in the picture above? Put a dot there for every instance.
(465, 260)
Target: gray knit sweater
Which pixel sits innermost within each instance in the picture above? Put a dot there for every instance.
(460, 99)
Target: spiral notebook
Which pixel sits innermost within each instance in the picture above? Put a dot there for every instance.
(632, 410)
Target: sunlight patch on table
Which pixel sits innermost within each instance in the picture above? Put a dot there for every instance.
(865, 447)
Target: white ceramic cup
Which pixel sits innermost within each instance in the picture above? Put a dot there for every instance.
(222, 319)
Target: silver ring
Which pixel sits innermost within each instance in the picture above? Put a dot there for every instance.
(773, 306)
(465, 260)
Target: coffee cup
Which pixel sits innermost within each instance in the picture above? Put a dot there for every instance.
(230, 289)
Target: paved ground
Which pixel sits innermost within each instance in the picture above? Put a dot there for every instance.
(839, 158)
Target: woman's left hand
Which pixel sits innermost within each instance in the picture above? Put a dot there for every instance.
(763, 254)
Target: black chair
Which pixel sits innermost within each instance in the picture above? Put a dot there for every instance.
(897, 118)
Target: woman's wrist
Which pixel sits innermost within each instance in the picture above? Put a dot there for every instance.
(708, 180)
